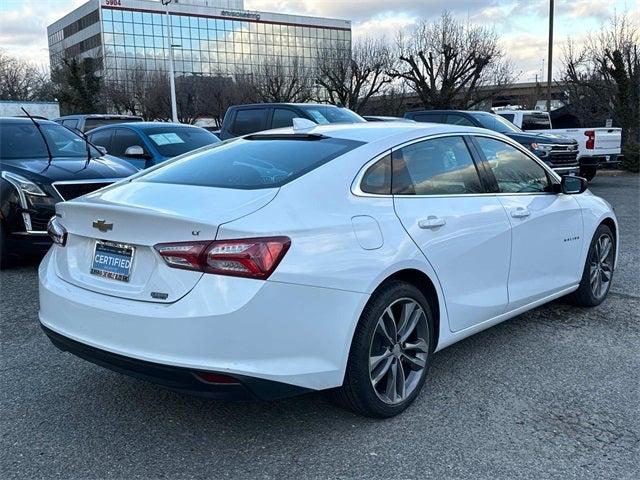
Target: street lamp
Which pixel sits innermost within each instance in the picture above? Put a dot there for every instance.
(172, 82)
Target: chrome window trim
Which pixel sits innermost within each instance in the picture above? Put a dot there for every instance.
(357, 191)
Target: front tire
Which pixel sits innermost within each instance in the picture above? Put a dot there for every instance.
(588, 173)
(390, 352)
(598, 269)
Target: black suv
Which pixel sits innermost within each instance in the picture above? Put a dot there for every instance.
(245, 119)
(41, 164)
(560, 153)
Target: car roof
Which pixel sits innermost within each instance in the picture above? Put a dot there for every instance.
(267, 104)
(373, 131)
(144, 126)
(25, 120)
(96, 115)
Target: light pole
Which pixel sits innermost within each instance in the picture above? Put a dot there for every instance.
(172, 82)
(550, 60)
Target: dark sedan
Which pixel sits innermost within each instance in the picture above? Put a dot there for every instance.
(144, 144)
(42, 163)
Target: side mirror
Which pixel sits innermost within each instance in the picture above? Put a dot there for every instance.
(571, 185)
(135, 151)
(102, 150)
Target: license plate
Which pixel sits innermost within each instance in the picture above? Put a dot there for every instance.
(112, 260)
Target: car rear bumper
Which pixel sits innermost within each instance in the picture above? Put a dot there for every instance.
(176, 378)
(571, 170)
(599, 160)
(291, 334)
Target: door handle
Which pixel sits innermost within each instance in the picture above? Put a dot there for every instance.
(520, 212)
(431, 222)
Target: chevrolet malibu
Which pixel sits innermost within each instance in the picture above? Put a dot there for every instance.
(319, 257)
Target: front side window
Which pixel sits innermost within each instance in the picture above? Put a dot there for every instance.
(514, 171)
(494, 122)
(324, 114)
(250, 121)
(251, 164)
(19, 141)
(122, 139)
(441, 166)
(283, 117)
(456, 119)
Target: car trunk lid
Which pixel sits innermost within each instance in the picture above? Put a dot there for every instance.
(122, 224)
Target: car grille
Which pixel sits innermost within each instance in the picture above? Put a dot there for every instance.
(561, 154)
(71, 190)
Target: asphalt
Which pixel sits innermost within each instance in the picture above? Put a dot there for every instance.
(553, 393)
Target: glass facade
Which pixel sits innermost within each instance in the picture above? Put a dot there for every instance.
(207, 45)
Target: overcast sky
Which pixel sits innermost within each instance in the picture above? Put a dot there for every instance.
(521, 24)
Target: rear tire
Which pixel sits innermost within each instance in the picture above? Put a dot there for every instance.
(588, 173)
(390, 352)
(598, 269)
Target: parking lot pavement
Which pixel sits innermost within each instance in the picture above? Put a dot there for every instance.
(554, 393)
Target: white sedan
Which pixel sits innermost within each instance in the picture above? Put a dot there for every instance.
(335, 257)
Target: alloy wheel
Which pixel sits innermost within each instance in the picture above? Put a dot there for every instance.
(398, 351)
(601, 268)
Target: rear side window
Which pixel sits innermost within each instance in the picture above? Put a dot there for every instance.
(377, 178)
(250, 121)
(102, 139)
(428, 117)
(441, 166)
(252, 164)
(91, 123)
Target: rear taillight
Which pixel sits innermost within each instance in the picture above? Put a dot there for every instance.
(57, 232)
(247, 257)
(591, 139)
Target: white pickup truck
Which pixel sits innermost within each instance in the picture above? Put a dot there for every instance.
(596, 146)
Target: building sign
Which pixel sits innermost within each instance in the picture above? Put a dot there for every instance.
(112, 3)
(238, 14)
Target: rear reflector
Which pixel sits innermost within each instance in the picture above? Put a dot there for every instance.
(216, 378)
(247, 257)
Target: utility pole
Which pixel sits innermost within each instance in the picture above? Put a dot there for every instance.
(550, 55)
(172, 82)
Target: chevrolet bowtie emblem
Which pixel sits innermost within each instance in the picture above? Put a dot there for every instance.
(102, 225)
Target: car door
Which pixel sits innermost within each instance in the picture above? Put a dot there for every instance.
(546, 233)
(441, 200)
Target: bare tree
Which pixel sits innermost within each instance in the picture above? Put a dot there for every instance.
(273, 81)
(351, 76)
(450, 64)
(24, 81)
(78, 85)
(603, 76)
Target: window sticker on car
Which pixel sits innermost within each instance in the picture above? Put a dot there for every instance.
(166, 138)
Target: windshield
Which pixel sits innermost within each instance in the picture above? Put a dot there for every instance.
(323, 114)
(495, 122)
(22, 140)
(251, 164)
(174, 141)
(91, 123)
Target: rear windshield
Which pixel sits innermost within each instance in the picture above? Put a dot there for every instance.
(91, 123)
(174, 141)
(251, 164)
(535, 122)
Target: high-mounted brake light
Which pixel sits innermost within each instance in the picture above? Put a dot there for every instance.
(591, 139)
(247, 257)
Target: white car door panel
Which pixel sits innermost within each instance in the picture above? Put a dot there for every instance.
(546, 233)
(464, 234)
(546, 245)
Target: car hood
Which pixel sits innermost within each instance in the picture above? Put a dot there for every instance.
(525, 137)
(66, 168)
